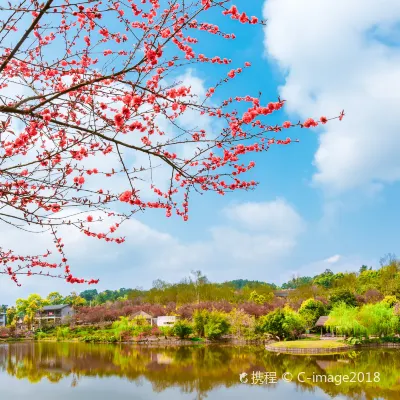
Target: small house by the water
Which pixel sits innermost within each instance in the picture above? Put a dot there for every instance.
(284, 293)
(321, 322)
(166, 320)
(56, 315)
(145, 315)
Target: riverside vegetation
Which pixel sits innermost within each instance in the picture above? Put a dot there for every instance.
(363, 306)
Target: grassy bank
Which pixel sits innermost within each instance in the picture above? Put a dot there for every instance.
(310, 344)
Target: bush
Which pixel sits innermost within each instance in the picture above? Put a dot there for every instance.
(217, 325)
(212, 324)
(283, 323)
(166, 331)
(39, 335)
(182, 329)
(353, 340)
(242, 324)
(4, 332)
(62, 332)
(200, 320)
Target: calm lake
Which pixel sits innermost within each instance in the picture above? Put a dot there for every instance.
(95, 371)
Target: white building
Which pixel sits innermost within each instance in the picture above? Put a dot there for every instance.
(166, 320)
(3, 318)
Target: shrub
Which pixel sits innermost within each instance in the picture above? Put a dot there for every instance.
(4, 332)
(217, 325)
(242, 324)
(62, 332)
(353, 340)
(283, 323)
(311, 310)
(211, 324)
(39, 335)
(166, 331)
(182, 329)
(200, 320)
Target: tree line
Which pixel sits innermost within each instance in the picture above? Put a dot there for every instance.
(293, 306)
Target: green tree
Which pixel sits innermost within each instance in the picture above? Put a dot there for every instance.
(390, 300)
(311, 310)
(199, 282)
(200, 318)
(242, 324)
(283, 323)
(325, 279)
(89, 295)
(343, 319)
(182, 329)
(217, 325)
(55, 298)
(29, 307)
(343, 296)
(378, 319)
(293, 324)
(257, 298)
(75, 300)
(11, 315)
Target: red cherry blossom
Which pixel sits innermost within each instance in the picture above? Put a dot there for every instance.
(98, 85)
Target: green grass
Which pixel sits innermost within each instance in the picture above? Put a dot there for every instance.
(310, 344)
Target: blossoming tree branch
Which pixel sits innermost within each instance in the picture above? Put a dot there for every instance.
(82, 82)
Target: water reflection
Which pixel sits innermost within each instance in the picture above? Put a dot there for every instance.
(199, 369)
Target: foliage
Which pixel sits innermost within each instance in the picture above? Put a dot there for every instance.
(282, 323)
(353, 340)
(311, 310)
(216, 326)
(210, 324)
(241, 324)
(29, 307)
(378, 319)
(343, 296)
(11, 315)
(55, 298)
(62, 332)
(343, 319)
(182, 329)
(200, 318)
(369, 320)
(390, 300)
(166, 331)
(259, 298)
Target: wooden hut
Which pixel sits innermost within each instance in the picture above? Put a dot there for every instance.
(321, 322)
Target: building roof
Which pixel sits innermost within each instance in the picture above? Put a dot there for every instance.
(321, 321)
(282, 293)
(56, 307)
(141, 314)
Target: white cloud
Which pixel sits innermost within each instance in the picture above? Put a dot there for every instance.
(230, 250)
(340, 54)
(274, 217)
(332, 260)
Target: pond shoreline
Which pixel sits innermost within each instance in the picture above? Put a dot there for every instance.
(148, 342)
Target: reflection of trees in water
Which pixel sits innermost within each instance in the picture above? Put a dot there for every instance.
(198, 369)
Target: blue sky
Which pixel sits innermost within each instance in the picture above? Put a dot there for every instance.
(330, 201)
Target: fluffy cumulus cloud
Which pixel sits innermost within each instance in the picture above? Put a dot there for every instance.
(340, 54)
(237, 247)
(275, 216)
